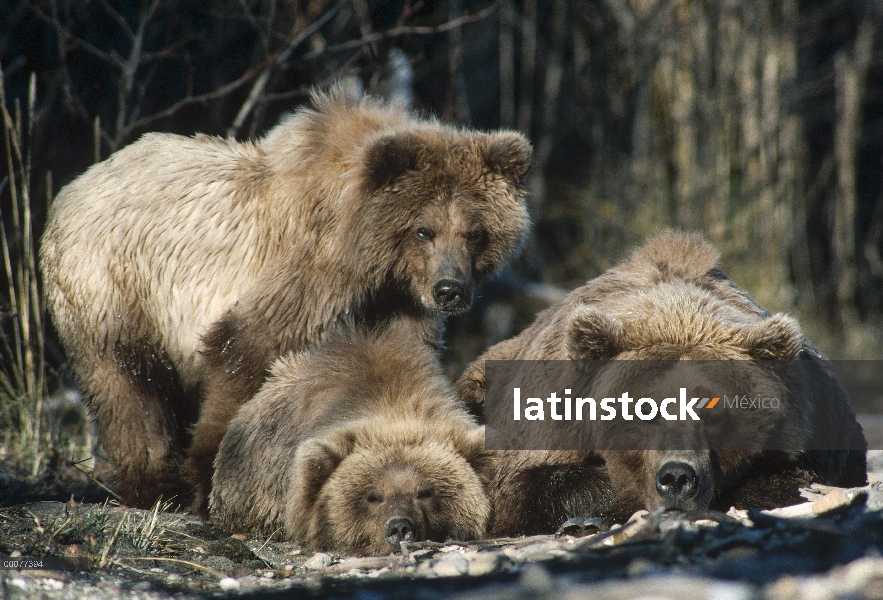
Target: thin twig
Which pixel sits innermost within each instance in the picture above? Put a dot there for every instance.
(506, 46)
(217, 574)
(272, 535)
(65, 34)
(524, 118)
(260, 84)
(60, 529)
(40, 528)
(130, 68)
(304, 91)
(218, 93)
(402, 31)
(72, 99)
(77, 466)
(111, 541)
(11, 134)
(118, 18)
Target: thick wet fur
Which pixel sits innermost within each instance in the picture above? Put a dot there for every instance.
(179, 269)
(355, 447)
(670, 301)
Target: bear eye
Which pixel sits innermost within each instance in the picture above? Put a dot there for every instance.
(374, 498)
(424, 493)
(477, 237)
(424, 234)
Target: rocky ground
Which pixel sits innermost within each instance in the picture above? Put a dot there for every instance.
(829, 547)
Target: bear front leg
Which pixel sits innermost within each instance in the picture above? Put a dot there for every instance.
(535, 492)
(236, 366)
(772, 480)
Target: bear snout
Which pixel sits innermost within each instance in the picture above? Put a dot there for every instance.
(398, 530)
(452, 296)
(677, 482)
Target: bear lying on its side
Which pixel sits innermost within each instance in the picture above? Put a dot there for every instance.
(356, 447)
(670, 301)
(179, 269)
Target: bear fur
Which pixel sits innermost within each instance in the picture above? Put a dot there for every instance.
(671, 301)
(354, 447)
(179, 268)
(534, 492)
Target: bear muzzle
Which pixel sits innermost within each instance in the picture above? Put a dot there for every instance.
(452, 296)
(398, 530)
(676, 482)
(683, 485)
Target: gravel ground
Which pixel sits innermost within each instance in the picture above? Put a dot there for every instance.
(829, 547)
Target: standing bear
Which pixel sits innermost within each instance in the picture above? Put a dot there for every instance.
(355, 446)
(669, 302)
(179, 268)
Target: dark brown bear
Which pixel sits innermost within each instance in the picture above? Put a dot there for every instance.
(354, 447)
(671, 301)
(178, 269)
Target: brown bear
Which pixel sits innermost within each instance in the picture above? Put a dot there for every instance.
(179, 268)
(355, 446)
(670, 301)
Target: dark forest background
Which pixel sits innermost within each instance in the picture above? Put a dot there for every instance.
(759, 124)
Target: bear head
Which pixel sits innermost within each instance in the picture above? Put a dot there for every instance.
(448, 205)
(368, 491)
(687, 465)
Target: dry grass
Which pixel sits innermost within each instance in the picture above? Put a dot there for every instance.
(30, 425)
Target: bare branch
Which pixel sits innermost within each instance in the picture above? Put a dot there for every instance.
(507, 66)
(96, 139)
(118, 18)
(362, 12)
(65, 34)
(624, 16)
(850, 73)
(168, 50)
(875, 235)
(404, 30)
(457, 89)
(260, 84)
(304, 91)
(408, 11)
(554, 72)
(130, 68)
(218, 93)
(72, 99)
(251, 20)
(528, 66)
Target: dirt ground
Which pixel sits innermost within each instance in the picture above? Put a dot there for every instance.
(829, 547)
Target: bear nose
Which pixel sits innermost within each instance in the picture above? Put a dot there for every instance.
(449, 293)
(398, 530)
(677, 481)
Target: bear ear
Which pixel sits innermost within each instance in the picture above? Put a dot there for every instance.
(509, 155)
(483, 461)
(592, 335)
(389, 157)
(314, 462)
(470, 386)
(776, 338)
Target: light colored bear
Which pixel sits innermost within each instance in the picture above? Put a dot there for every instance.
(179, 269)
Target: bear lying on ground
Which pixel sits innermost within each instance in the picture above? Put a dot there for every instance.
(671, 301)
(355, 447)
(179, 268)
